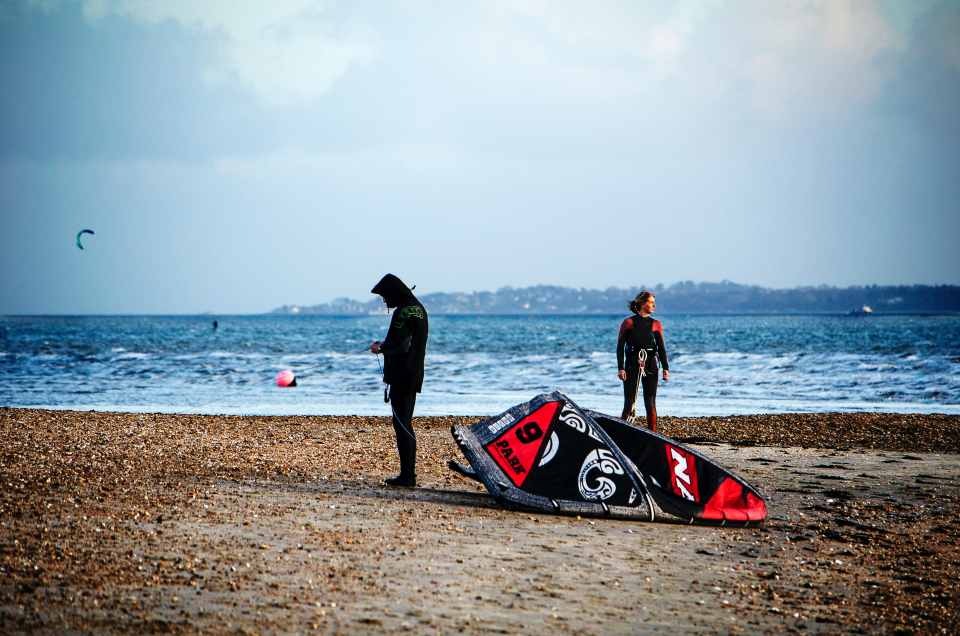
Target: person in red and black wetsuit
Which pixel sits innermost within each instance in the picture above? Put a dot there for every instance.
(639, 348)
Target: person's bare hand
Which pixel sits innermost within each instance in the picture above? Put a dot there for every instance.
(375, 346)
(622, 375)
(666, 375)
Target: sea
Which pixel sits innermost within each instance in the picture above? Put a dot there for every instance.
(477, 365)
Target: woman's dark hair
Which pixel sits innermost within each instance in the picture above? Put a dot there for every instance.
(637, 303)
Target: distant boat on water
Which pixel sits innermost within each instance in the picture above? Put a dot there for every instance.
(866, 310)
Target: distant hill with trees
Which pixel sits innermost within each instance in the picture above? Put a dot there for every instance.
(682, 297)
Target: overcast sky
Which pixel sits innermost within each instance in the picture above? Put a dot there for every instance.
(292, 151)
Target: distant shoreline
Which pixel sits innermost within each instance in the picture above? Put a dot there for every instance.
(682, 297)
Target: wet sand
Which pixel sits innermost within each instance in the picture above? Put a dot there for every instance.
(178, 523)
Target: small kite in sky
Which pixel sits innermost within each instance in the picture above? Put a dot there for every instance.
(81, 233)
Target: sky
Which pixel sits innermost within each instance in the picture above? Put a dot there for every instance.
(234, 157)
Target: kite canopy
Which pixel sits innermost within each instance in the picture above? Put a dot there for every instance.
(682, 481)
(548, 454)
(81, 233)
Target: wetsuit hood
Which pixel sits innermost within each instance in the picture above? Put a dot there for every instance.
(393, 290)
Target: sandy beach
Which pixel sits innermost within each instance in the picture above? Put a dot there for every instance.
(177, 523)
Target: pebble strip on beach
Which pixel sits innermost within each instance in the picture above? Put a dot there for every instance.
(118, 522)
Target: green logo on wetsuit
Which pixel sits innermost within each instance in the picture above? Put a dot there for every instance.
(410, 311)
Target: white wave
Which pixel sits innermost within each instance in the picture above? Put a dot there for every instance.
(133, 355)
(486, 403)
(363, 354)
(727, 356)
(233, 355)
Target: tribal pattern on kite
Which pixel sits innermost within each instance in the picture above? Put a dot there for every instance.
(548, 454)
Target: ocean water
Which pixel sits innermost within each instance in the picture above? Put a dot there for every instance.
(477, 365)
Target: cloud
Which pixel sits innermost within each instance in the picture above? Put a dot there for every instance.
(772, 60)
(509, 75)
(644, 38)
(948, 38)
(287, 52)
(820, 58)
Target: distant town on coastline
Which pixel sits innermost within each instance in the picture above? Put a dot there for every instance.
(682, 297)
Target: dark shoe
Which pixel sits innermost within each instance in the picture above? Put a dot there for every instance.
(401, 482)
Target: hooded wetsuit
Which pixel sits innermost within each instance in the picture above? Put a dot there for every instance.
(641, 333)
(404, 350)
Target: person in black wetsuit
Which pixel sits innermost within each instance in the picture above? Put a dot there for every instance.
(639, 347)
(404, 350)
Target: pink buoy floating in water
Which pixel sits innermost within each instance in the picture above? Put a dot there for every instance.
(286, 378)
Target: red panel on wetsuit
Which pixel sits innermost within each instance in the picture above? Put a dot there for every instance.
(517, 449)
